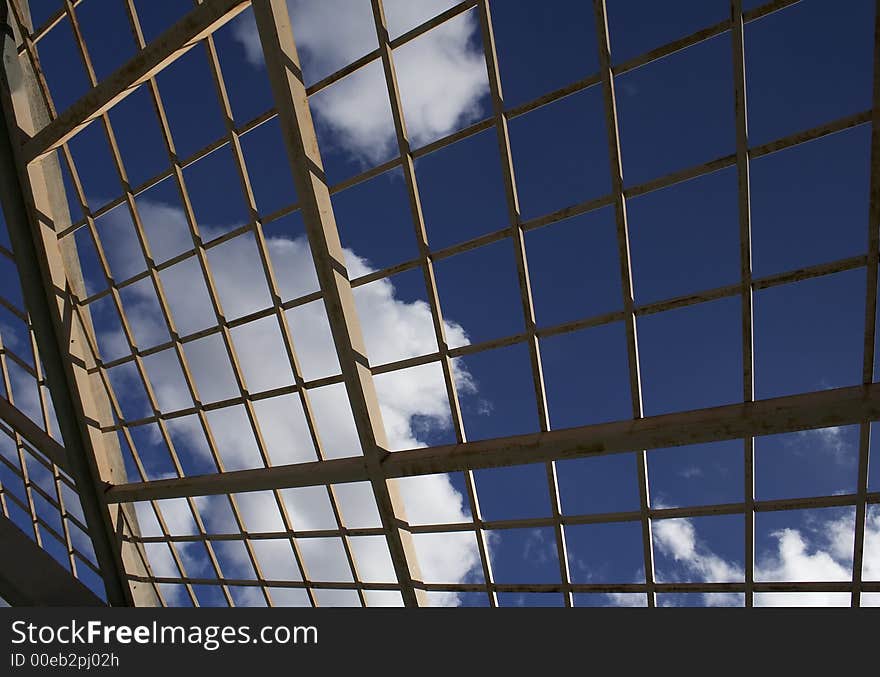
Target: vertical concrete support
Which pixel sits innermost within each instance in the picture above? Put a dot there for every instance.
(35, 206)
(285, 76)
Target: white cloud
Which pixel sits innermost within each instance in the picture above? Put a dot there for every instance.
(821, 551)
(796, 560)
(835, 441)
(629, 599)
(677, 538)
(409, 399)
(441, 74)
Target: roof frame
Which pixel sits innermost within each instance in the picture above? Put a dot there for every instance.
(858, 404)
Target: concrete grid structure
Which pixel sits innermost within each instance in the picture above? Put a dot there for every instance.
(74, 468)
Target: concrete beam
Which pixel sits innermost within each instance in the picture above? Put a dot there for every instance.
(821, 409)
(33, 434)
(295, 119)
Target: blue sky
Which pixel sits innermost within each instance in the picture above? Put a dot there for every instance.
(808, 206)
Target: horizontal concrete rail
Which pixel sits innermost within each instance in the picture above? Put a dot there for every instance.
(822, 409)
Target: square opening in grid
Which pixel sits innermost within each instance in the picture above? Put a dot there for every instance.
(605, 553)
(574, 268)
(166, 226)
(543, 47)
(353, 123)
(792, 86)
(195, 119)
(497, 393)
(139, 136)
(238, 275)
(560, 153)
(804, 546)
(699, 549)
(95, 165)
(496, 486)
(146, 320)
(291, 257)
(598, 484)
(62, 65)
(808, 203)
(685, 238)
(809, 335)
(415, 406)
(434, 499)
(479, 289)
(268, 167)
(524, 555)
(636, 27)
(457, 92)
(462, 190)
(397, 320)
(691, 358)
(285, 429)
(677, 112)
(214, 188)
(375, 222)
(244, 68)
(697, 474)
(586, 375)
(317, 29)
(106, 30)
(819, 462)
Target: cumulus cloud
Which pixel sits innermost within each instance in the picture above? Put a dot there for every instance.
(820, 551)
(677, 538)
(441, 74)
(412, 402)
